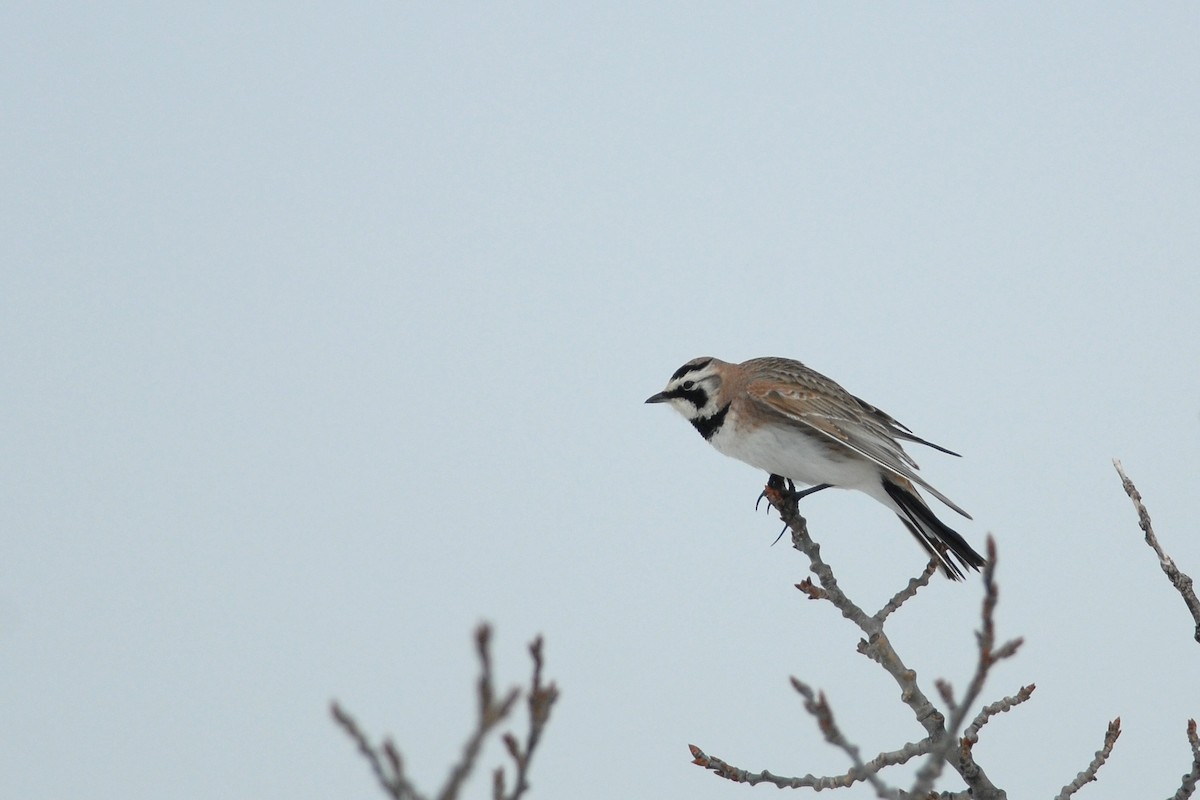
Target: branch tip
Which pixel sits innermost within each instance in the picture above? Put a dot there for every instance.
(1180, 580)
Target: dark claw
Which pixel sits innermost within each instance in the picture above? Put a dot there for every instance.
(775, 482)
(787, 488)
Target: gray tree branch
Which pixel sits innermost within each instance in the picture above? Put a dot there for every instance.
(1181, 581)
(1089, 774)
(939, 744)
(971, 734)
(989, 655)
(819, 708)
(1189, 781)
(388, 766)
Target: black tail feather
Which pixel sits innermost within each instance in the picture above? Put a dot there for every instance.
(912, 438)
(931, 531)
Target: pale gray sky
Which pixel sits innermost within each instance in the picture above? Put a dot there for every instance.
(326, 335)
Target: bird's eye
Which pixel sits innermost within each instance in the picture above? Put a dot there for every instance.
(689, 384)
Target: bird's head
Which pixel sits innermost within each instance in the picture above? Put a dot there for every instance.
(695, 388)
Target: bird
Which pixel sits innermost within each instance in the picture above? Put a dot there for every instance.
(779, 415)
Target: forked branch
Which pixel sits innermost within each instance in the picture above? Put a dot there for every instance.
(939, 744)
(989, 655)
(388, 766)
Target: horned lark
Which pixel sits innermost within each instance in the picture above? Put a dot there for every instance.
(778, 415)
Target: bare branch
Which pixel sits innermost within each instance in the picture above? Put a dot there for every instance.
(1181, 581)
(388, 766)
(729, 772)
(907, 593)
(1188, 784)
(878, 647)
(943, 744)
(491, 714)
(390, 778)
(989, 654)
(540, 700)
(724, 769)
(1089, 774)
(1183, 584)
(829, 589)
(971, 734)
(819, 708)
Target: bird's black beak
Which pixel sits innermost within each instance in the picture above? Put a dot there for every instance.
(661, 397)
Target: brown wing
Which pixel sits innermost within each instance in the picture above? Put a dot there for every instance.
(811, 399)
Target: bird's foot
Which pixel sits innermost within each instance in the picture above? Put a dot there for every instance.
(776, 491)
(781, 492)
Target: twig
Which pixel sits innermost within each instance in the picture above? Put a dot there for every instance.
(878, 647)
(1183, 584)
(1089, 774)
(989, 654)
(388, 766)
(907, 593)
(491, 714)
(829, 589)
(729, 772)
(1188, 784)
(390, 778)
(819, 708)
(1181, 581)
(971, 734)
(541, 699)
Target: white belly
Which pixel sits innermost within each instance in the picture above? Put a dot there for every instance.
(797, 454)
